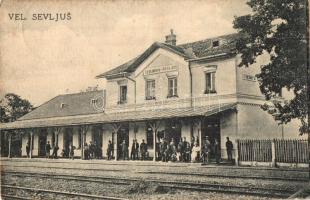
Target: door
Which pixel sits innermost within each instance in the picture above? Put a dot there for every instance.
(42, 143)
(68, 138)
(211, 128)
(122, 134)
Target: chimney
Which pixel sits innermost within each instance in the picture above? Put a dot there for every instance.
(171, 39)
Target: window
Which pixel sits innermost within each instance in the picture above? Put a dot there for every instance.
(215, 43)
(150, 89)
(123, 94)
(210, 83)
(172, 87)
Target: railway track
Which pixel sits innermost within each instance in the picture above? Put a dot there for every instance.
(213, 175)
(202, 187)
(44, 191)
(142, 163)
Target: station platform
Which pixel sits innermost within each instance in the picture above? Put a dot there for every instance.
(96, 162)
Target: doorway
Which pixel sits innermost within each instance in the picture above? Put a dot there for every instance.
(68, 138)
(122, 134)
(42, 142)
(172, 131)
(211, 128)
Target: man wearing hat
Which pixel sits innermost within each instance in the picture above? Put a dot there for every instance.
(206, 151)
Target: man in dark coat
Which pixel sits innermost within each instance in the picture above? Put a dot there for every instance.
(143, 150)
(185, 148)
(180, 150)
(163, 148)
(110, 150)
(134, 150)
(217, 151)
(229, 148)
(55, 150)
(27, 149)
(48, 149)
(206, 151)
(124, 149)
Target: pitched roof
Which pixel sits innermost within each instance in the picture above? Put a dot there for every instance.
(68, 105)
(120, 117)
(132, 64)
(203, 48)
(196, 49)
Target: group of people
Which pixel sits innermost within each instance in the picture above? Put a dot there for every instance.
(48, 149)
(166, 151)
(192, 152)
(138, 151)
(92, 151)
(169, 151)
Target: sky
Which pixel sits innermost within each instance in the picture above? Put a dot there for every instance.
(40, 59)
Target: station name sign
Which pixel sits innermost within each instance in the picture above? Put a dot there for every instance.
(161, 69)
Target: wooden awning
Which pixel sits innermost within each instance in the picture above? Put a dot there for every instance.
(132, 116)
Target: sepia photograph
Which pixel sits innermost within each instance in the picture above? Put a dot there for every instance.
(154, 99)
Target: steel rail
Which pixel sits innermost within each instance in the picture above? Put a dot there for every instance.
(62, 192)
(206, 187)
(172, 173)
(142, 163)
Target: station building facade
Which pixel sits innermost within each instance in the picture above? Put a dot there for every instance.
(170, 91)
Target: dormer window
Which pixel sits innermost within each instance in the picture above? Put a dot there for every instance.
(215, 43)
(62, 105)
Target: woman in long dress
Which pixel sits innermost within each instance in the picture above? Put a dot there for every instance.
(195, 152)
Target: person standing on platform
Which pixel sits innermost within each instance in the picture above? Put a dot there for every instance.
(229, 148)
(28, 149)
(206, 151)
(71, 151)
(195, 152)
(91, 150)
(187, 152)
(124, 148)
(136, 150)
(110, 150)
(48, 149)
(86, 151)
(55, 151)
(184, 147)
(143, 150)
(172, 151)
(217, 151)
(180, 150)
(133, 150)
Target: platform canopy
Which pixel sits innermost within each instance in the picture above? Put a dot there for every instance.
(131, 116)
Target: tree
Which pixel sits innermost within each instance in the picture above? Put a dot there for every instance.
(13, 107)
(278, 28)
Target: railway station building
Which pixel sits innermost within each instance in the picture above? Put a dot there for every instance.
(171, 90)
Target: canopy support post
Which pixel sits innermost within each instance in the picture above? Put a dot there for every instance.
(154, 126)
(84, 129)
(116, 127)
(31, 142)
(10, 144)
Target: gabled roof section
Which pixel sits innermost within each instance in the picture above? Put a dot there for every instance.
(193, 50)
(68, 105)
(133, 64)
